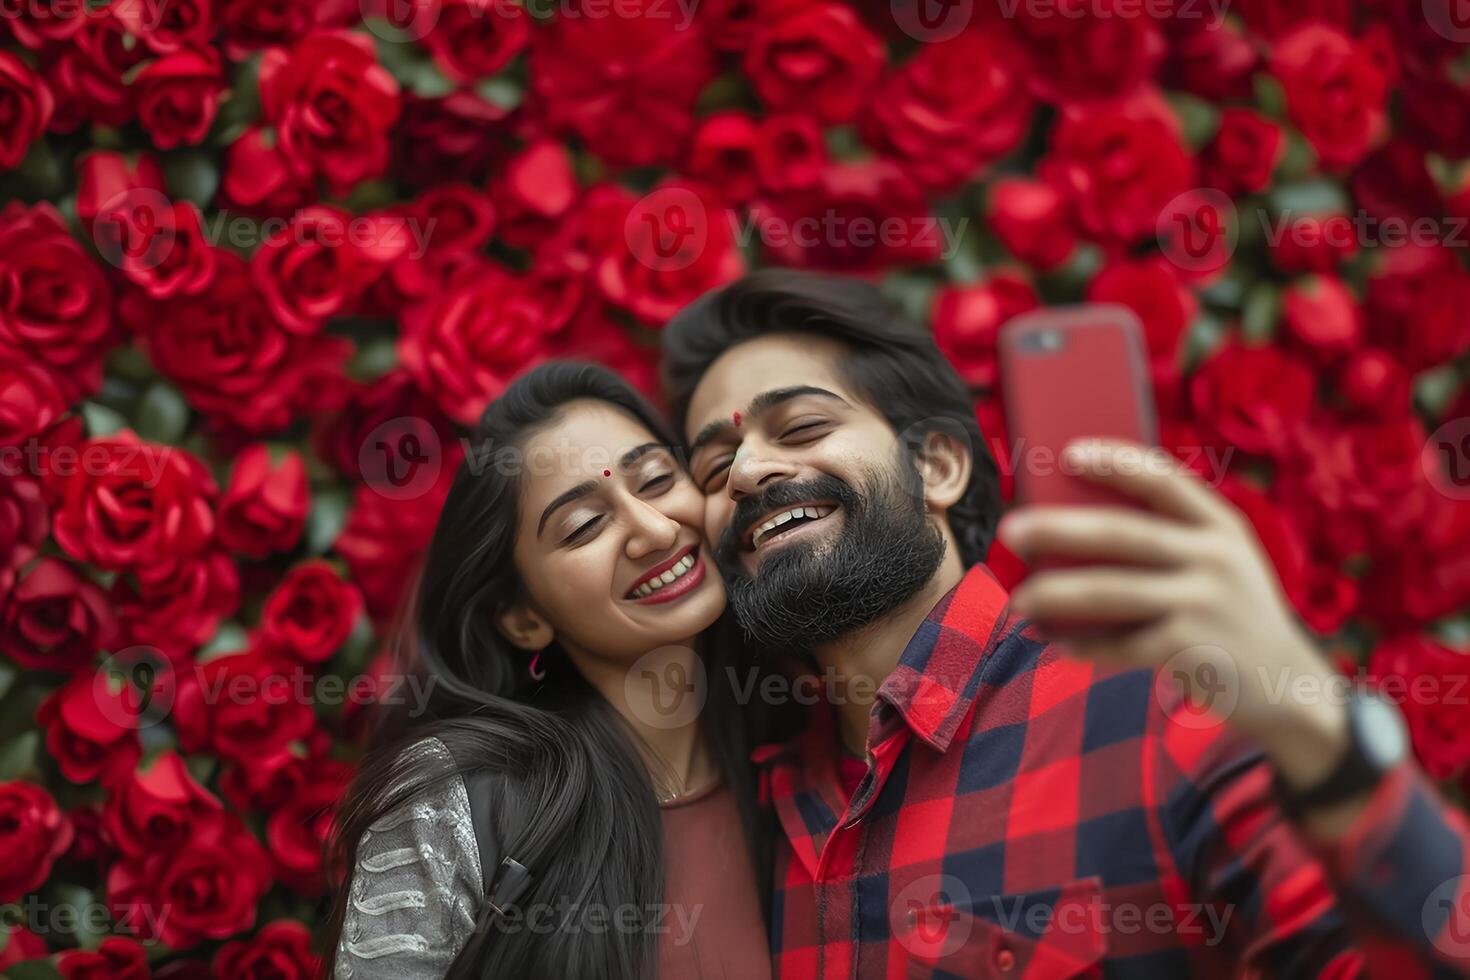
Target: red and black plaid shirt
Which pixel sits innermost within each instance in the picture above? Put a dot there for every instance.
(1024, 813)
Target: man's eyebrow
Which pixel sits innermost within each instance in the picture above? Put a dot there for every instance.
(576, 493)
(759, 404)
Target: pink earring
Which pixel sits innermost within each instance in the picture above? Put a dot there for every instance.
(535, 674)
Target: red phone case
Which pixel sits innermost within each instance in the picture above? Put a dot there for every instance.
(1072, 373)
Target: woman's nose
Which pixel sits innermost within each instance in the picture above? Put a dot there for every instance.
(652, 530)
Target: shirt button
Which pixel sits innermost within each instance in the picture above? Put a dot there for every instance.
(1005, 960)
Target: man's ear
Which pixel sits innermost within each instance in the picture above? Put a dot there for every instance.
(524, 626)
(943, 460)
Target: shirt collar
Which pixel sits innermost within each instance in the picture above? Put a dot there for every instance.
(938, 676)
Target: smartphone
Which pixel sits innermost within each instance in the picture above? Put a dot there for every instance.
(1069, 373)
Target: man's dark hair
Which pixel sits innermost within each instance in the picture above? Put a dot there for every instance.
(894, 366)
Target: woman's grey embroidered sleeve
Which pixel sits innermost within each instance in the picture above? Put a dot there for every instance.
(415, 887)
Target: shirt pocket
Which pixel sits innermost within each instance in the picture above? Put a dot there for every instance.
(1040, 935)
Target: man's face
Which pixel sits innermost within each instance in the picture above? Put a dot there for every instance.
(815, 513)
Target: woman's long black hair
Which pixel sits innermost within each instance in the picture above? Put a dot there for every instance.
(575, 803)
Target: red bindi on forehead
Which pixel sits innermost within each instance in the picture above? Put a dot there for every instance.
(735, 417)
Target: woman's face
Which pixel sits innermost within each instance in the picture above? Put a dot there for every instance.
(610, 540)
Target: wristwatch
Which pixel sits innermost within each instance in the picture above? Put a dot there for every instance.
(1378, 740)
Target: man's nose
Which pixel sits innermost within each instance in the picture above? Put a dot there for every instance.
(755, 468)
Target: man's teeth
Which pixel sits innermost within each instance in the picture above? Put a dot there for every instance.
(654, 584)
(784, 516)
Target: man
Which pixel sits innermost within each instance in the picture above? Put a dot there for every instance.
(1001, 806)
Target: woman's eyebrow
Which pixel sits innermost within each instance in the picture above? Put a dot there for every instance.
(638, 452)
(576, 493)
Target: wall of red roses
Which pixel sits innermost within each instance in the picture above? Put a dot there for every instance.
(263, 263)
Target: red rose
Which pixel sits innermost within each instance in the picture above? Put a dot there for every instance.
(250, 25)
(228, 355)
(1244, 154)
(168, 27)
(131, 503)
(1425, 573)
(385, 537)
(161, 808)
(1321, 317)
(18, 944)
(87, 72)
(1119, 165)
(1165, 306)
(298, 831)
(28, 107)
(1395, 182)
(176, 606)
(178, 96)
(1215, 62)
(33, 834)
(264, 508)
(1271, 19)
(1251, 397)
(30, 400)
(789, 152)
(89, 724)
(1280, 538)
(1031, 219)
(1085, 51)
(24, 518)
(310, 614)
(535, 191)
(279, 951)
(104, 175)
(1415, 305)
(115, 958)
(953, 109)
(1374, 383)
(458, 136)
(331, 104)
(467, 343)
(1336, 92)
(859, 218)
(201, 890)
(814, 58)
(53, 618)
(655, 255)
(1312, 242)
(624, 85)
(55, 304)
(241, 706)
(345, 439)
(474, 39)
(259, 178)
(269, 782)
(160, 247)
(314, 268)
(967, 319)
(722, 154)
(1427, 680)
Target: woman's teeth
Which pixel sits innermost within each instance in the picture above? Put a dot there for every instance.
(654, 584)
(782, 518)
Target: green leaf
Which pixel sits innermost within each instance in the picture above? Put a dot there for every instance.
(1309, 197)
(32, 970)
(325, 520)
(1197, 118)
(374, 358)
(1270, 96)
(229, 638)
(1261, 310)
(425, 79)
(193, 176)
(500, 91)
(101, 420)
(18, 755)
(162, 414)
(1435, 388)
(8, 674)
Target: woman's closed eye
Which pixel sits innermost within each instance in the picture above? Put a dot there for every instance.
(584, 531)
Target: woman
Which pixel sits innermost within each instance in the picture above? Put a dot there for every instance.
(555, 623)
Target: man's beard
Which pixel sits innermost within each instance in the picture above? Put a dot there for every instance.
(805, 593)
